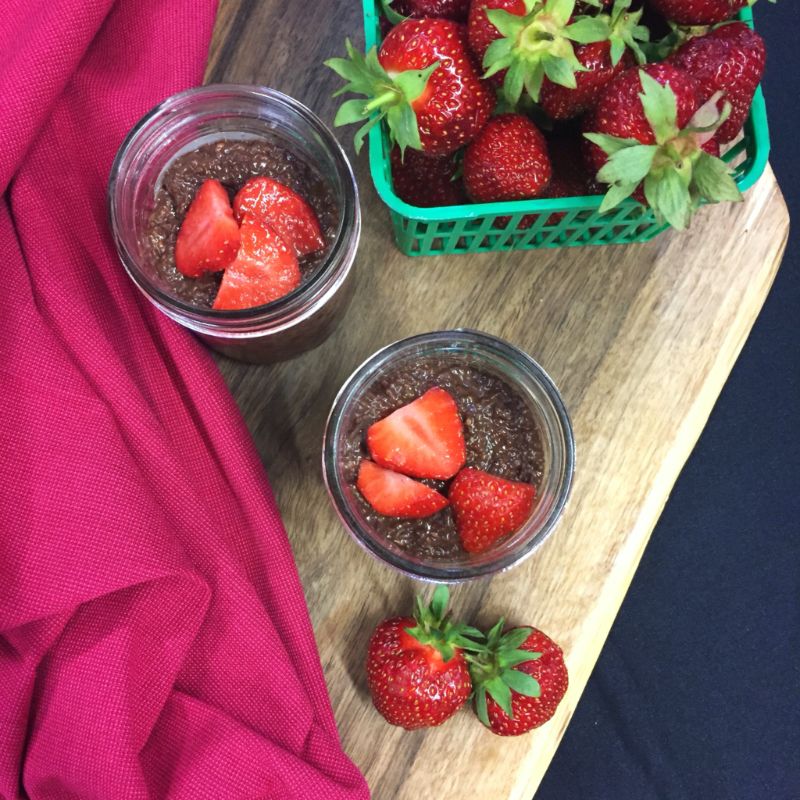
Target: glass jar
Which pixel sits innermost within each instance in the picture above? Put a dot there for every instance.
(524, 377)
(291, 324)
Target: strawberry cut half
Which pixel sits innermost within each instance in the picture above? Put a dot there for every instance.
(265, 269)
(487, 507)
(424, 439)
(209, 235)
(289, 214)
(395, 495)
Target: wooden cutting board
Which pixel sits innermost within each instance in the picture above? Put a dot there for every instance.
(640, 339)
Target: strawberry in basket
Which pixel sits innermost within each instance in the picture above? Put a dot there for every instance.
(422, 82)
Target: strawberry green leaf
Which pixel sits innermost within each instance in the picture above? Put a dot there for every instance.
(514, 82)
(358, 139)
(501, 694)
(560, 10)
(660, 108)
(469, 644)
(586, 30)
(439, 601)
(626, 32)
(521, 683)
(533, 81)
(507, 24)
(669, 197)
(514, 638)
(610, 144)
(712, 180)
(628, 165)
(516, 657)
(361, 72)
(494, 634)
(350, 111)
(391, 14)
(560, 71)
(615, 195)
(480, 706)
(617, 50)
(499, 48)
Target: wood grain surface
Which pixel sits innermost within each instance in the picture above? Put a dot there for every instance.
(640, 340)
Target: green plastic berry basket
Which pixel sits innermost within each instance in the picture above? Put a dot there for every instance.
(534, 224)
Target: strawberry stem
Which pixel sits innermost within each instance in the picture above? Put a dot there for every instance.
(381, 100)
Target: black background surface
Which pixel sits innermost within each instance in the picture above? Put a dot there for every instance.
(697, 692)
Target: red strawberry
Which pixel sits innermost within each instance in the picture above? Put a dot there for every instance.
(486, 507)
(642, 142)
(445, 9)
(508, 161)
(395, 495)
(481, 33)
(265, 269)
(424, 439)
(730, 59)
(426, 181)
(602, 62)
(422, 82)
(561, 102)
(570, 176)
(523, 42)
(416, 671)
(209, 236)
(698, 12)
(520, 678)
(288, 214)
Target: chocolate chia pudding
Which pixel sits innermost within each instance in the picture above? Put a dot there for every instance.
(500, 434)
(232, 162)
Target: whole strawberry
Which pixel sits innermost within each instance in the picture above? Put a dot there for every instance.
(507, 161)
(426, 181)
(730, 60)
(422, 82)
(698, 12)
(649, 138)
(519, 43)
(416, 670)
(601, 63)
(446, 9)
(519, 678)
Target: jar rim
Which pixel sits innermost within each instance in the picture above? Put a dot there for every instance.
(285, 311)
(452, 340)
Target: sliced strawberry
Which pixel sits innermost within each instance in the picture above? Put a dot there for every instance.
(395, 495)
(424, 439)
(486, 507)
(265, 269)
(289, 214)
(209, 236)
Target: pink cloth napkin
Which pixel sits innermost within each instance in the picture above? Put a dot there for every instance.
(154, 639)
